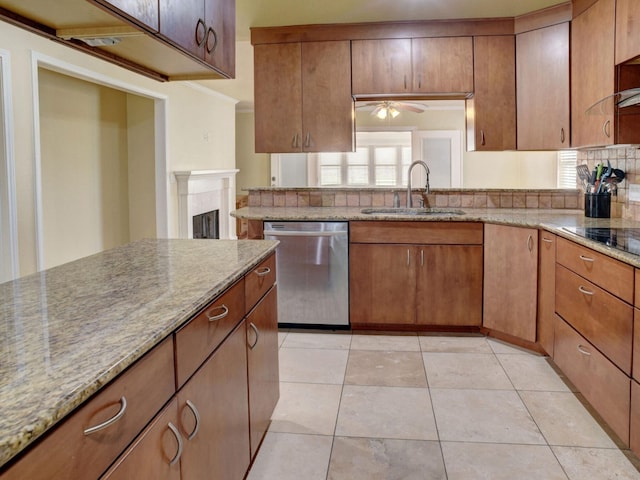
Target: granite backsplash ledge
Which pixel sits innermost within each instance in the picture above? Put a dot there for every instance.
(384, 197)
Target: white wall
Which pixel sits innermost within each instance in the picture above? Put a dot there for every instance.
(200, 126)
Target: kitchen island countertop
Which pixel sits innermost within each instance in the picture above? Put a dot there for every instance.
(67, 331)
(552, 220)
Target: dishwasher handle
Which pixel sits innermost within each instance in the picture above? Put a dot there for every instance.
(295, 233)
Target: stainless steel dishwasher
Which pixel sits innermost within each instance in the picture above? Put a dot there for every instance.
(312, 272)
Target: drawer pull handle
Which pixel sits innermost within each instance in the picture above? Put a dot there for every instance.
(264, 271)
(215, 318)
(175, 459)
(111, 421)
(547, 240)
(408, 258)
(586, 259)
(583, 351)
(422, 258)
(585, 291)
(196, 414)
(257, 332)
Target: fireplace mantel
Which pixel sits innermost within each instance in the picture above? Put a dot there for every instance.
(200, 191)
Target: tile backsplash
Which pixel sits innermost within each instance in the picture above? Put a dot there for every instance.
(626, 159)
(324, 197)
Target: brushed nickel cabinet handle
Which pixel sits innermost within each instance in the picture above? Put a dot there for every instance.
(422, 258)
(307, 141)
(562, 135)
(220, 316)
(178, 454)
(207, 45)
(482, 142)
(111, 421)
(200, 38)
(196, 415)
(408, 258)
(606, 128)
(586, 259)
(585, 291)
(405, 82)
(547, 240)
(257, 332)
(583, 351)
(530, 243)
(264, 271)
(294, 141)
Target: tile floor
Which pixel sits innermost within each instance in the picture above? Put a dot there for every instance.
(405, 407)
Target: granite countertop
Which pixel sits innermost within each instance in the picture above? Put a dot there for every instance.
(552, 220)
(67, 331)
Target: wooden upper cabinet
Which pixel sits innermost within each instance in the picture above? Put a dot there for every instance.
(491, 113)
(592, 74)
(288, 121)
(627, 38)
(381, 66)
(419, 65)
(142, 12)
(278, 97)
(542, 79)
(203, 28)
(442, 65)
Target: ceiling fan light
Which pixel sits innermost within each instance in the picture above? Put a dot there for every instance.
(393, 112)
(382, 113)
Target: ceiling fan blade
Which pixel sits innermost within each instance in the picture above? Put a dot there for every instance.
(410, 107)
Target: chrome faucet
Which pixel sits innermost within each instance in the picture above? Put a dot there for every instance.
(426, 169)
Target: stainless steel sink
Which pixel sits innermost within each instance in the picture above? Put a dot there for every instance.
(410, 211)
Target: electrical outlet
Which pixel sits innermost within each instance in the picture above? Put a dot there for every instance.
(634, 192)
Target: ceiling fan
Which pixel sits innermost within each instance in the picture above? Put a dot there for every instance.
(390, 108)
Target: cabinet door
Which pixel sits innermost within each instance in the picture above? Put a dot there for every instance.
(381, 66)
(546, 290)
(278, 97)
(592, 73)
(142, 12)
(491, 113)
(442, 65)
(627, 38)
(449, 286)
(542, 71)
(511, 280)
(183, 22)
(214, 414)
(219, 48)
(382, 284)
(155, 453)
(262, 358)
(327, 105)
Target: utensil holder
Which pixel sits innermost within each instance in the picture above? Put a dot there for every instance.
(597, 205)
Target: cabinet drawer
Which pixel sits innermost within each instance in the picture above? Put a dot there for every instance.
(604, 386)
(67, 452)
(440, 233)
(259, 281)
(606, 321)
(202, 335)
(606, 272)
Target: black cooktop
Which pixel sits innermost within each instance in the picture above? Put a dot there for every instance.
(625, 239)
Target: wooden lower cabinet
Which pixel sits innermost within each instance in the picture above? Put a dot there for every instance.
(415, 284)
(215, 421)
(604, 385)
(382, 284)
(546, 290)
(511, 280)
(262, 361)
(155, 453)
(449, 285)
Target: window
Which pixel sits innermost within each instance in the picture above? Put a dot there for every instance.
(567, 162)
(381, 159)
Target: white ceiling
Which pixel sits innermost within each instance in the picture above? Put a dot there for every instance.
(268, 13)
